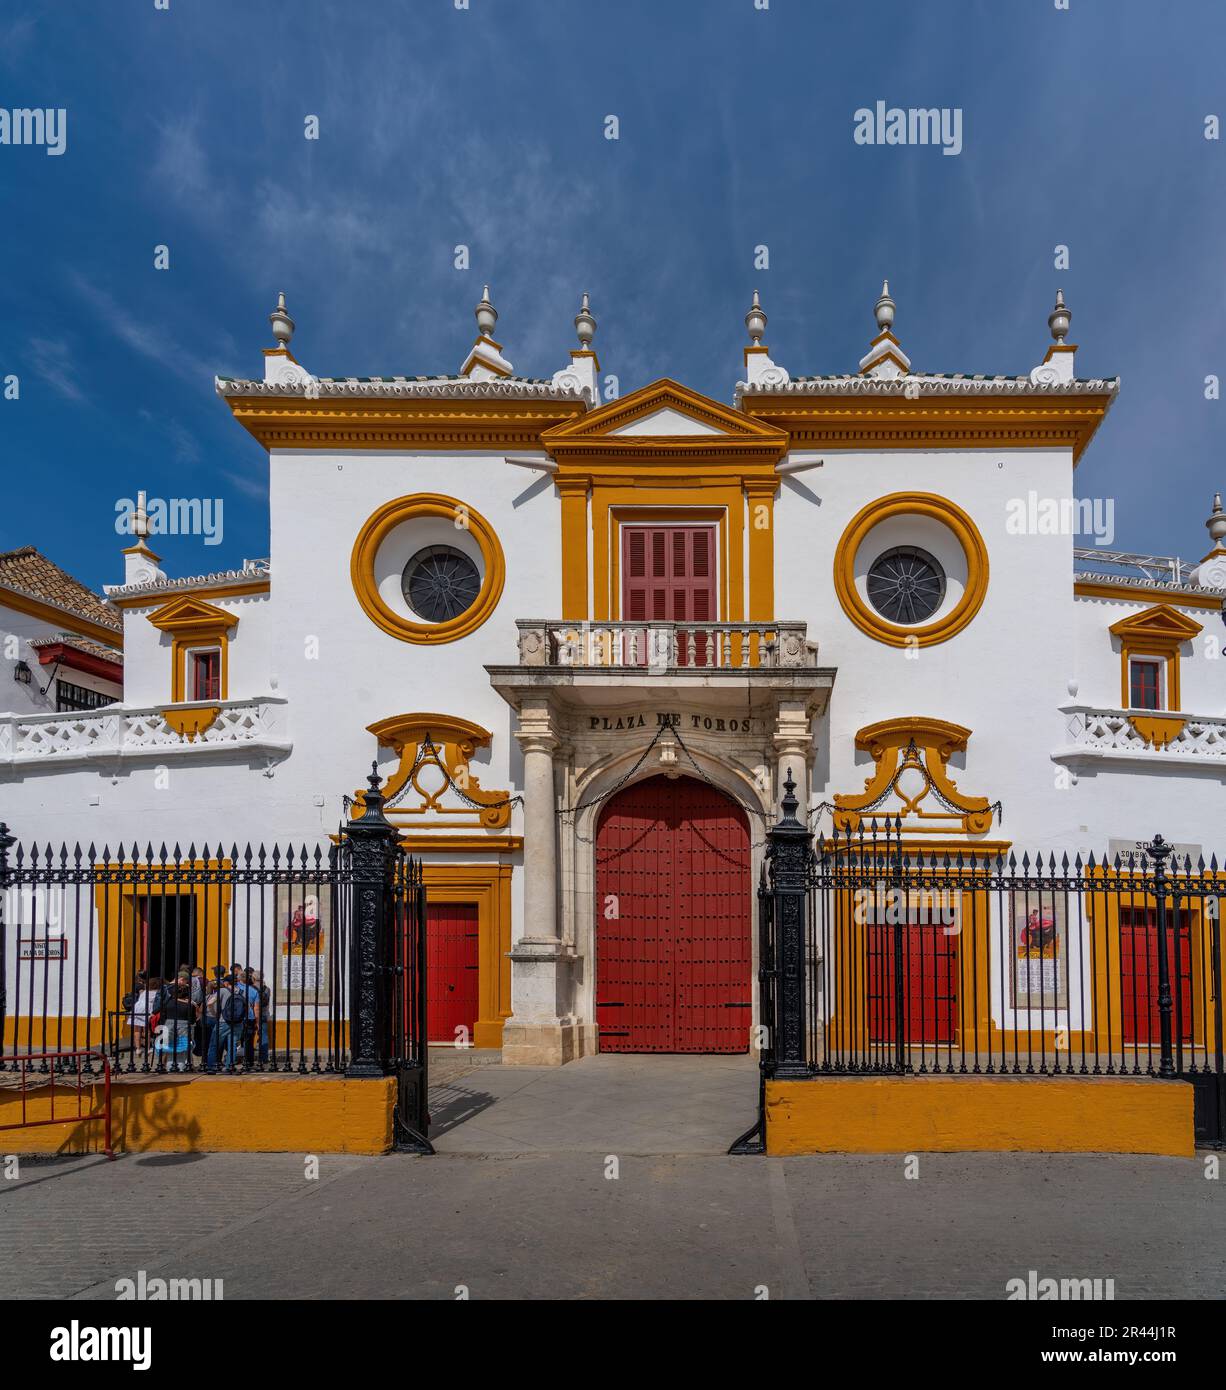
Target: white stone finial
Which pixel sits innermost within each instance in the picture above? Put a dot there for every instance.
(140, 518)
(1059, 319)
(884, 308)
(755, 320)
(1216, 525)
(487, 315)
(282, 324)
(585, 324)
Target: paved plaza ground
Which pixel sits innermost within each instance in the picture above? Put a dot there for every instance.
(607, 1179)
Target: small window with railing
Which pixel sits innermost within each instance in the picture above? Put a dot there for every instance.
(1145, 683)
(204, 674)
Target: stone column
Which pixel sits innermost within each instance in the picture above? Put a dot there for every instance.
(793, 741)
(541, 1030)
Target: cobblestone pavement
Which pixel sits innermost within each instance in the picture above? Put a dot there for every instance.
(573, 1225)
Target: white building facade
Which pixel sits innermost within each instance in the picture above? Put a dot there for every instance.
(585, 641)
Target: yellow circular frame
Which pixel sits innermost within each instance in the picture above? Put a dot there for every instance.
(941, 509)
(376, 531)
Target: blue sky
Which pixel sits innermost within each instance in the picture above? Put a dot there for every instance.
(486, 127)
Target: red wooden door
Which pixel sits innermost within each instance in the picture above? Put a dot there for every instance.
(451, 970)
(668, 575)
(1139, 1013)
(673, 944)
(930, 983)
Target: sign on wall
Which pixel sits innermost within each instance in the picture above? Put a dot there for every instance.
(306, 945)
(1040, 952)
(42, 948)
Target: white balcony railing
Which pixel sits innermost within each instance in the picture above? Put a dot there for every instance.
(122, 731)
(1114, 733)
(665, 646)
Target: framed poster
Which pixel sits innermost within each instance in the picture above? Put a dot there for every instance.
(1040, 951)
(306, 948)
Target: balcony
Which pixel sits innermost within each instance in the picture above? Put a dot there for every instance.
(721, 669)
(242, 727)
(1143, 736)
(665, 647)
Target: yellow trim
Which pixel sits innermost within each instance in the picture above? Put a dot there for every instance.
(674, 479)
(889, 743)
(193, 624)
(400, 422)
(942, 1114)
(489, 887)
(237, 589)
(939, 509)
(574, 493)
(1142, 593)
(463, 844)
(456, 740)
(933, 420)
(376, 530)
(1158, 631)
(187, 723)
(201, 1114)
(63, 620)
(1157, 730)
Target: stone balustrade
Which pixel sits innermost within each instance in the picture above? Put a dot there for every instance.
(658, 646)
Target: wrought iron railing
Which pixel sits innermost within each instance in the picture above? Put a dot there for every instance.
(881, 958)
(220, 960)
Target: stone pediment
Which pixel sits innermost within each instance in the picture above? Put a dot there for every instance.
(665, 419)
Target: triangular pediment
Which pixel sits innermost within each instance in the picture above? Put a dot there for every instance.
(1161, 623)
(665, 411)
(192, 615)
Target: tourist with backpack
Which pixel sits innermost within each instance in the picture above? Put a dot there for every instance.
(238, 1004)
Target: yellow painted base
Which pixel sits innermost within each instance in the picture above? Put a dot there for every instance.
(937, 1114)
(251, 1114)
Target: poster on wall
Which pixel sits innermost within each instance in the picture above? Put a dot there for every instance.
(1040, 952)
(306, 944)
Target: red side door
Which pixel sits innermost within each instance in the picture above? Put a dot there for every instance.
(451, 970)
(668, 575)
(1139, 1013)
(930, 983)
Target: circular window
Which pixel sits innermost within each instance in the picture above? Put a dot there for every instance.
(906, 585)
(439, 583)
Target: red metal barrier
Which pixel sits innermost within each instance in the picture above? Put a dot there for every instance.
(84, 1082)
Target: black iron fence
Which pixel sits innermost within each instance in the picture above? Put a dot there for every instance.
(295, 959)
(881, 957)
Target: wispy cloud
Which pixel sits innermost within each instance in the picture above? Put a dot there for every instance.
(147, 339)
(53, 360)
(250, 487)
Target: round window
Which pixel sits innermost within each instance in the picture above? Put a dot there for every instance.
(439, 583)
(906, 585)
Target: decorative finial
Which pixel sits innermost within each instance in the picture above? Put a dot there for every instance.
(487, 315)
(755, 321)
(282, 324)
(140, 518)
(585, 324)
(1217, 522)
(1059, 319)
(884, 308)
(789, 803)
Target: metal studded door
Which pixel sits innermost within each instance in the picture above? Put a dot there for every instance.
(452, 936)
(673, 945)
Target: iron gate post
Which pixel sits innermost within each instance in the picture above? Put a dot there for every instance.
(790, 853)
(1158, 849)
(6, 842)
(372, 844)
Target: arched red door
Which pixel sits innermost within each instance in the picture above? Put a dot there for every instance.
(673, 943)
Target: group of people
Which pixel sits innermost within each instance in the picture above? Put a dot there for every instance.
(222, 1020)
